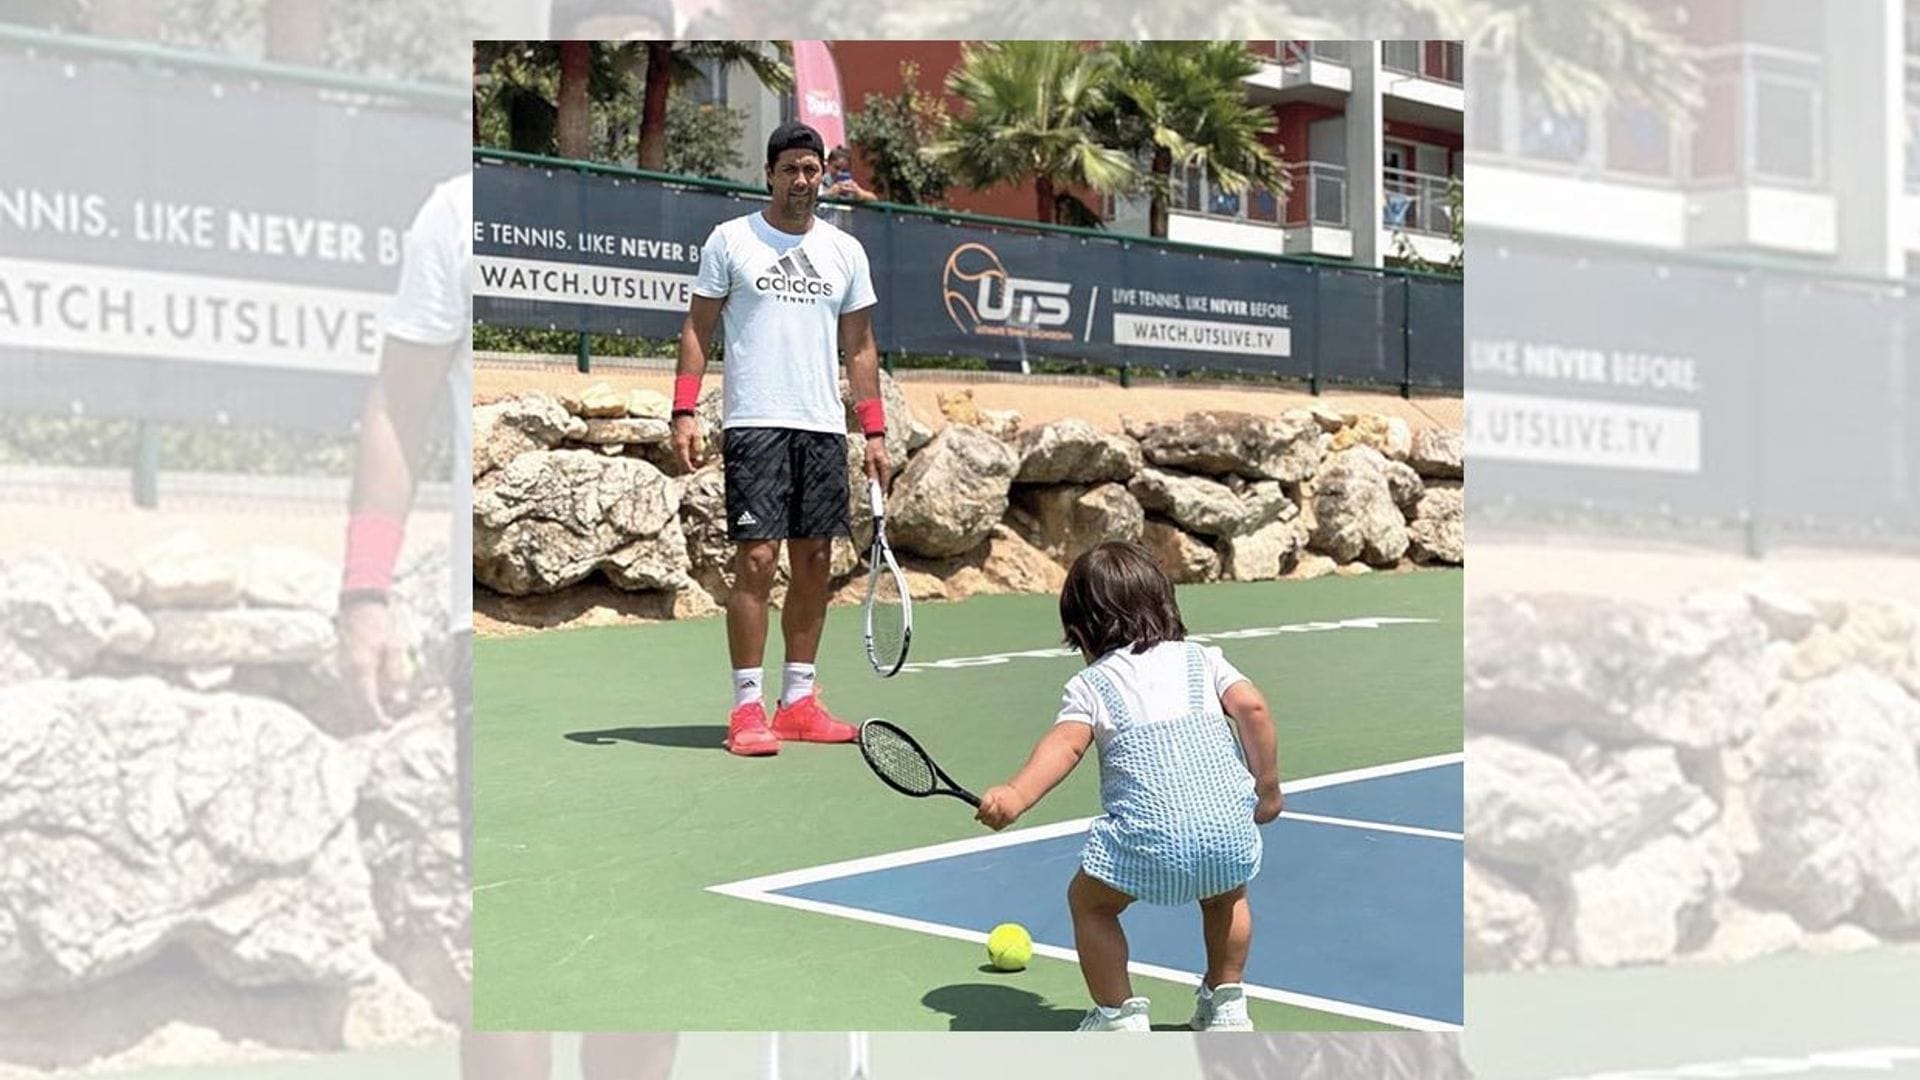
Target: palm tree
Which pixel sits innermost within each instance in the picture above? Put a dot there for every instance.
(1183, 103)
(576, 65)
(1583, 56)
(1029, 112)
(672, 63)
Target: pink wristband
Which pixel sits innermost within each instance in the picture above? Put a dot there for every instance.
(686, 392)
(873, 416)
(373, 546)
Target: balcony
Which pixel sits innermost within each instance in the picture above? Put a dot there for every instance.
(1308, 218)
(1758, 153)
(1422, 82)
(1303, 71)
(1415, 213)
(1439, 61)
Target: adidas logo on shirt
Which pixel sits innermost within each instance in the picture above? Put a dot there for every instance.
(746, 518)
(794, 276)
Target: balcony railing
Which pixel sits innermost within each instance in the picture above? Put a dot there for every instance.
(1316, 195)
(1441, 61)
(1913, 117)
(1194, 193)
(1299, 52)
(1415, 202)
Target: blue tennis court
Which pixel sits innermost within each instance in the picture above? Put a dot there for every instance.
(1357, 907)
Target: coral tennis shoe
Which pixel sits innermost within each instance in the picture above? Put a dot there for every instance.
(807, 720)
(747, 733)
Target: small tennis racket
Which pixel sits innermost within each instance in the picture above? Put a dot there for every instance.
(889, 615)
(899, 761)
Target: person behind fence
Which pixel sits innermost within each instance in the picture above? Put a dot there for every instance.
(795, 292)
(838, 183)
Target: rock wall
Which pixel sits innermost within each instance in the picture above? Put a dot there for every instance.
(568, 490)
(196, 816)
(1734, 778)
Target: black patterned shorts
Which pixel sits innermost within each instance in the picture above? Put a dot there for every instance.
(785, 484)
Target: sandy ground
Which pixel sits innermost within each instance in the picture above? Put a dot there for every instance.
(1039, 399)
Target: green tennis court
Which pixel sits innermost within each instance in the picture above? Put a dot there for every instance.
(606, 811)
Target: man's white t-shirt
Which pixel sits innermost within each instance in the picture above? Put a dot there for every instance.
(432, 307)
(785, 294)
(1152, 686)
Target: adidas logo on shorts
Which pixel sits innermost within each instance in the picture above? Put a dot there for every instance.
(746, 518)
(794, 277)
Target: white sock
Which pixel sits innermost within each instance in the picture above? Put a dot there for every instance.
(796, 682)
(746, 685)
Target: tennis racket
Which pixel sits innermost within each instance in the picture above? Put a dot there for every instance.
(889, 614)
(899, 761)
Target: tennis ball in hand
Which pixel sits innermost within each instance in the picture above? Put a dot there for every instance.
(1009, 947)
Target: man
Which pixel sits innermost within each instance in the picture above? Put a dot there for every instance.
(428, 352)
(795, 293)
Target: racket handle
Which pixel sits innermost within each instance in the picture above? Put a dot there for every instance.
(971, 799)
(876, 499)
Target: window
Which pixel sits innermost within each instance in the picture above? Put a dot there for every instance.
(1551, 135)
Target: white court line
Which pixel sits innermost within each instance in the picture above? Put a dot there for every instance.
(765, 890)
(1375, 826)
(1151, 971)
(910, 856)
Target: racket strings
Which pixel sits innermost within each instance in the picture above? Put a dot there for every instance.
(901, 762)
(889, 616)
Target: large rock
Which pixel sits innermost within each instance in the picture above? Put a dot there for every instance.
(1208, 507)
(54, 617)
(1258, 447)
(703, 522)
(506, 429)
(1005, 564)
(1621, 672)
(553, 517)
(1835, 796)
(952, 494)
(1642, 908)
(1438, 531)
(239, 636)
(410, 839)
(601, 402)
(1388, 434)
(1075, 452)
(1642, 792)
(1505, 928)
(1068, 521)
(289, 577)
(1527, 808)
(1438, 454)
(1355, 517)
(1184, 559)
(1787, 615)
(183, 571)
(140, 816)
(622, 431)
(1268, 552)
(1404, 485)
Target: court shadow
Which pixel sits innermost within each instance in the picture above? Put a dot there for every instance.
(682, 736)
(979, 1007)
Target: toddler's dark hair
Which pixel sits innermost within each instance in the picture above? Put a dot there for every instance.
(1116, 595)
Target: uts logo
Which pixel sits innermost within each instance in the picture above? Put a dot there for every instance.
(982, 298)
(794, 278)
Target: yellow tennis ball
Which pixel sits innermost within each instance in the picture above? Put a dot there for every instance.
(1009, 947)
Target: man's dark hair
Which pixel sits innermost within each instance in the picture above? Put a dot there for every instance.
(794, 135)
(1116, 595)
